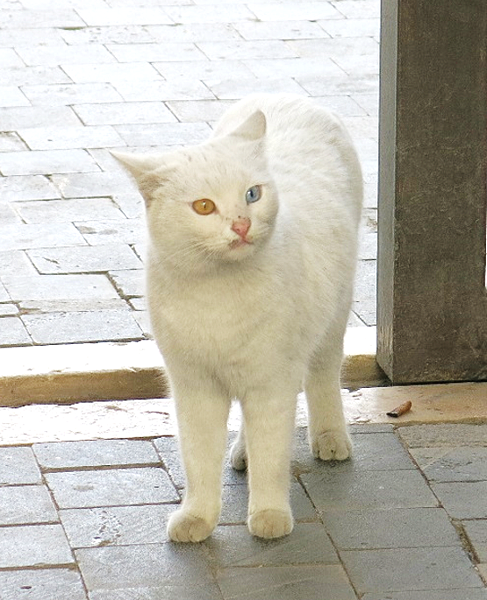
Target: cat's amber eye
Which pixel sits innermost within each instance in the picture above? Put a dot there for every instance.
(204, 206)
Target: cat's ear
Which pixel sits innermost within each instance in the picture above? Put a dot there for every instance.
(253, 128)
(145, 169)
(137, 165)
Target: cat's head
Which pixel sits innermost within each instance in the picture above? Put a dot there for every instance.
(209, 203)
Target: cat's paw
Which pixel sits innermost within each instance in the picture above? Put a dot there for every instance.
(270, 523)
(184, 527)
(238, 457)
(332, 445)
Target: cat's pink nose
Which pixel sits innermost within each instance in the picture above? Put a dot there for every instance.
(241, 226)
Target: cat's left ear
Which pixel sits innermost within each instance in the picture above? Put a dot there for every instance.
(253, 128)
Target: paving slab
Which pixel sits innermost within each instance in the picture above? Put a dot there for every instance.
(18, 466)
(327, 582)
(377, 570)
(34, 546)
(95, 453)
(82, 489)
(116, 525)
(42, 584)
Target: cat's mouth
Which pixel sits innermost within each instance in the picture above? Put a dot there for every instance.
(240, 243)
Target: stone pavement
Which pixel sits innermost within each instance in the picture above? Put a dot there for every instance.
(78, 77)
(405, 519)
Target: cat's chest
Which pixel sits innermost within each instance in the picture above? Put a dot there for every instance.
(223, 315)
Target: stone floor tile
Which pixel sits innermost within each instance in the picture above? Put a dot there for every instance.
(458, 464)
(195, 111)
(87, 185)
(408, 569)
(280, 30)
(338, 28)
(328, 582)
(124, 231)
(236, 497)
(180, 72)
(33, 19)
(11, 142)
(63, 54)
(359, 9)
(120, 113)
(463, 500)
(116, 526)
(129, 283)
(60, 287)
(26, 504)
(451, 594)
(156, 52)
(111, 72)
(168, 449)
(111, 487)
(70, 93)
(444, 434)
(11, 95)
(124, 15)
(8, 310)
(234, 90)
(46, 162)
(393, 528)
(477, 534)
(373, 452)
(52, 211)
(95, 453)
(169, 133)
(205, 591)
(212, 12)
(34, 545)
(341, 83)
(4, 295)
(141, 566)
(41, 584)
(289, 11)
(173, 89)
(64, 138)
(27, 187)
(248, 50)
(13, 332)
(193, 32)
(87, 326)
(356, 490)
(364, 300)
(18, 466)
(34, 75)
(84, 259)
(233, 546)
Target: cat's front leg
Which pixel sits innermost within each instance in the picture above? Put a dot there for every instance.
(269, 427)
(202, 422)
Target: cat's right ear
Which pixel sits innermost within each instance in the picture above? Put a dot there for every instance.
(143, 170)
(137, 165)
(253, 128)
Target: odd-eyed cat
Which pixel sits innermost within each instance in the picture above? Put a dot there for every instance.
(251, 260)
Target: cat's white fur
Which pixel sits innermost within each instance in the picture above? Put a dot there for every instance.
(253, 321)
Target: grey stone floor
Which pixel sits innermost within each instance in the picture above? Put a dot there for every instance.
(406, 519)
(78, 77)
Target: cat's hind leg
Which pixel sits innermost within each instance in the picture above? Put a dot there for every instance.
(202, 414)
(328, 435)
(238, 451)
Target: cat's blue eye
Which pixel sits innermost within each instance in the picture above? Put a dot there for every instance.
(253, 194)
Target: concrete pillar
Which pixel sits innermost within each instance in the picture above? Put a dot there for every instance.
(432, 302)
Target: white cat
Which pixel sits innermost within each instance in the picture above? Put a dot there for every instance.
(251, 260)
